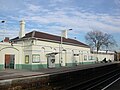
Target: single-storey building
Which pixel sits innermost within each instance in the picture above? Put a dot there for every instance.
(35, 50)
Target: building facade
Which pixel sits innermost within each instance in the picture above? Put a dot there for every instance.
(37, 50)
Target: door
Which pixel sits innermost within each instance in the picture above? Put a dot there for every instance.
(9, 61)
(12, 60)
(63, 61)
(76, 59)
(51, 61)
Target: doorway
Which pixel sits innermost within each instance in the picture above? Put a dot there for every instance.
(63, 61)
(9, 61)
(51, 61)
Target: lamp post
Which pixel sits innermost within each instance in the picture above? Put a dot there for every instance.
(3, 29)
(63, 32)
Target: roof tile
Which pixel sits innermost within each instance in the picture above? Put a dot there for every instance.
(41, 35)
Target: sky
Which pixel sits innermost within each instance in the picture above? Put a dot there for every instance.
(53, 16)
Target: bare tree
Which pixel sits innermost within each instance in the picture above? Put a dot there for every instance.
(97, 40)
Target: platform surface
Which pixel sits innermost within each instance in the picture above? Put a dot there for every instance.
(12, 73)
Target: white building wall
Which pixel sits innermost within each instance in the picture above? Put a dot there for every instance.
(101, 56)
(44, 47)
(15, 49)
(71, 54)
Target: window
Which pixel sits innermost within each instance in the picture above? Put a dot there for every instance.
(91, 58)
(36, 58)
(85, 57)
(26, 59)
(76, 54)
(81, 52)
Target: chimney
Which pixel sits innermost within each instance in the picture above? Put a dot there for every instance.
(64, 33)
(22, 29)
(6, 39)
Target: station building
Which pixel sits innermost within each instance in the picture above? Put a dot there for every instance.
(35, 50)
(117, 56)
(101, 55)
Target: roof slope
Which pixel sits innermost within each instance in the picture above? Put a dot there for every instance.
(49, 37)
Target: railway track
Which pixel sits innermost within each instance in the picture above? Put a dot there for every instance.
(97, 83)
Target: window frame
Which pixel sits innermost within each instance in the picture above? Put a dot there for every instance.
(34, 56)
(85, 57)
(26, 59)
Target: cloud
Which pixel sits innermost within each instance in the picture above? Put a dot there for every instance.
(60, 1)
(60, 18)
(52, 18)
(55, 1)
(33, 8)
(117, 2)
(10, 5)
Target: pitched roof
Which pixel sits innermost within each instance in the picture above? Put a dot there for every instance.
(49, 37)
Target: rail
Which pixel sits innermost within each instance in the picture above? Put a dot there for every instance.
(97, 83)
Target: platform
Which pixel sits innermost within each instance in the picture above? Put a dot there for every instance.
(50, 78)
(12, 73)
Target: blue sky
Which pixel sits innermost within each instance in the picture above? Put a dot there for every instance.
(52, 16)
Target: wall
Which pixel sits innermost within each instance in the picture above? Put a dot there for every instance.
(31, 54)
(101, 56)
(42, 48)
(15, 49)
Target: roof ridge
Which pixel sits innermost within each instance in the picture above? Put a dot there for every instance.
(47, 36)
(46, 33)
